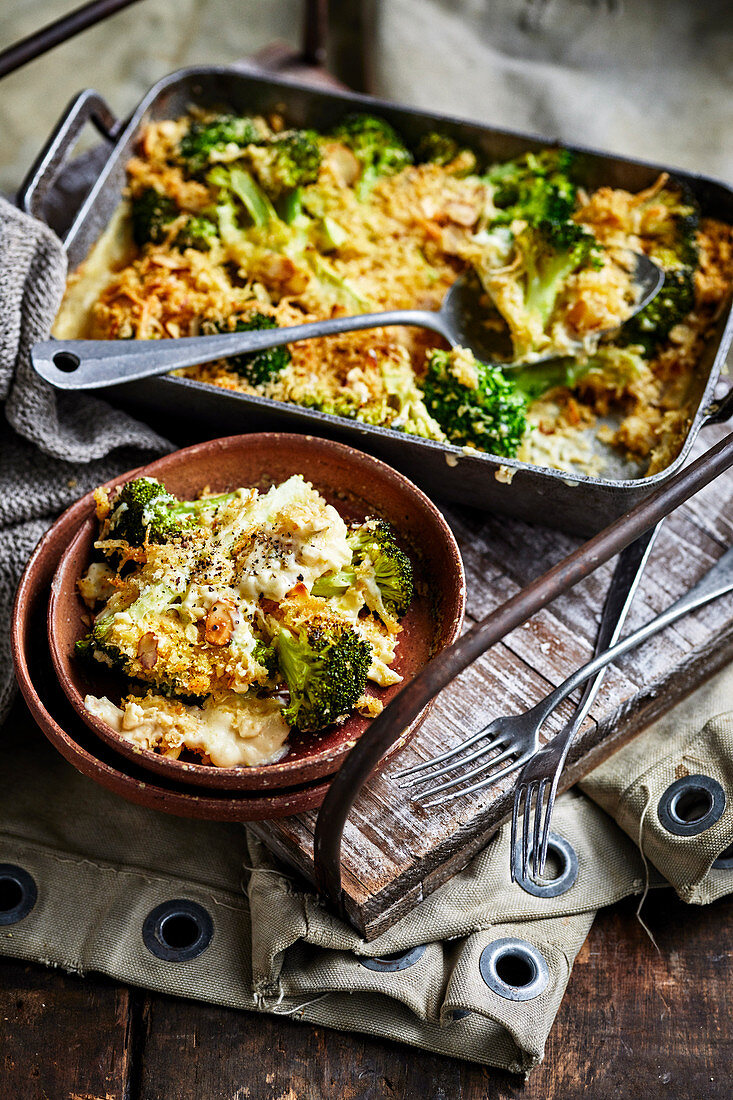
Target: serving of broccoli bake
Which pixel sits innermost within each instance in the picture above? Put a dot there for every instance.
(234, 223)
(234, 619)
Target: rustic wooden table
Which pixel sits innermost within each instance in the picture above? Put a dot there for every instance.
(633, 1023)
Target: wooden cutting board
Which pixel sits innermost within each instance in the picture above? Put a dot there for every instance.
(394, 853)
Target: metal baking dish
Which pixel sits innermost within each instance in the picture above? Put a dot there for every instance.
(575, 503)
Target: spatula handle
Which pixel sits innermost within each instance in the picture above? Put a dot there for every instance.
(92, 364)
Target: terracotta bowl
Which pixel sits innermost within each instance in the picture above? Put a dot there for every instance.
(80, 746)
(357, 485)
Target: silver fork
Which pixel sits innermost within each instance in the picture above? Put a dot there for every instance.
(546, 764)
(512, 734)
(524, 729)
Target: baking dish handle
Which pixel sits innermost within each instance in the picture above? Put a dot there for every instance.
(719, 410)
(85, 107)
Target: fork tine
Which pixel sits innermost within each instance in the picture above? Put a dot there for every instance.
(465, 744)
(548, 816)
(465, 775)
(475, 755)
(489, 781)
(526, 828)
(537, 861)
(518, 796)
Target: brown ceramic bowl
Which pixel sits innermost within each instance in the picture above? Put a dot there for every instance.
(51, 710)
(357, 485)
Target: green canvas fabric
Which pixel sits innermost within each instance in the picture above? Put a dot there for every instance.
(101, 865)
(695, 738)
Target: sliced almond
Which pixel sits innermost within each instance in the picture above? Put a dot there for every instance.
(343, 164)
(147, 650)
(278, 270)
(219, 624)
(462, 213)
(270, 607)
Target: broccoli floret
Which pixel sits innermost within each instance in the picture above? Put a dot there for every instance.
(676, 251)
(374, 540)
(257, 367)
(405, 405)
(345, 404)
(376, 145)
(474, 403)
(287, 161)
(152, 214)
(199, 233)
(436, 148)
(536, 187)
(400, 406)
(651, 326)
(100, 644)
(266, 655)
(84, 648)
(615, 366)
(525, 288)
(325, 669)
(204, 139)
(151, 603)
(144, 511)
(551, 251)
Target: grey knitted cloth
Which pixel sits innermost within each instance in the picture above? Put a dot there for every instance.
(53, 447)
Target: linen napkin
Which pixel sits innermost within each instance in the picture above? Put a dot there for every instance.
(101, 871)
(54, 447)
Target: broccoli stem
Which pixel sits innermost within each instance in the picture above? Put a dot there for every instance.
(253, 198)
(292, 205)
(544, 285)
(241, 183)
(334, 584)
(535, 380)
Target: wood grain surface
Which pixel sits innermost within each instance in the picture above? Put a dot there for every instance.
(395, 853)
(633, 1023)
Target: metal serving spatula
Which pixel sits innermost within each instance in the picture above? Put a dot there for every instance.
(91, 364)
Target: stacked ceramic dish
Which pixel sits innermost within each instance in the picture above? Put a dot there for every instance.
(49, 606)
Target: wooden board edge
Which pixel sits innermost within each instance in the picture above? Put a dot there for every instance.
(382, 909)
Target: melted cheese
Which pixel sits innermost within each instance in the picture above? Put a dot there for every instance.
(298, 538)
(236, 731)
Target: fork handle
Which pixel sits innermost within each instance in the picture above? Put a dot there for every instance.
(624, 583)
(716, 582)
(630, 566)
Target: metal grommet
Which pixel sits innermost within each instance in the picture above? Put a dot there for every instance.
(18, 893)
(724, 862)
(399, 960)
(691, 805)
(567, 858)
(177, 930)
(514, 969)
